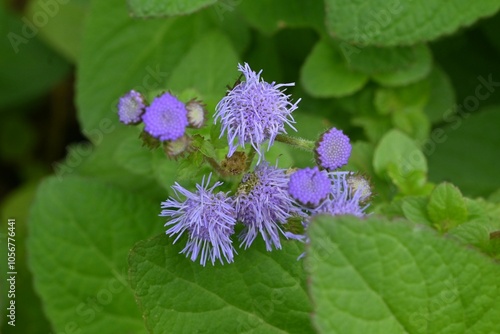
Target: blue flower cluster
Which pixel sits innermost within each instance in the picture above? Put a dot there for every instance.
(268, 199)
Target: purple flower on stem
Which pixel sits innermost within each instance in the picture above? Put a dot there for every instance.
(343, 199)
(207, 218)
(166, 118)
(333, 149)
(309, 186)
(263, 204)
(254, 111)
(131, 107)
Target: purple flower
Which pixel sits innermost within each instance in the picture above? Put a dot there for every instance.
(254, 111)
(165, 118)
(131, 107)
(343, 199)
(263, 204)
(309, 186)
(333, 149)
(207, 218)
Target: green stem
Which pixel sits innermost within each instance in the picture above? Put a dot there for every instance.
(250, 157)
(297, 142)
(215, 165)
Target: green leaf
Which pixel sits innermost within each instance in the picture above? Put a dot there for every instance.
(417, 70)
(415, 209)
(208, 66)
(414, 123)
(155, 8)
(80, 233)
(397, 157)
(404, 22)
(441, 96)
(373, 60)
(446, 207)
(260, 292)
(375, 276)
(325, 74)
(466, 153)
(29, 68)
(104, 161)
(405, 105)
(149, 57)
(481, 226)
(402, 99)
(133, 156)
(64, 29)
(374, 126)
(268, 18)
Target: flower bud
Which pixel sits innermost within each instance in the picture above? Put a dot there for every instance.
(196, 113)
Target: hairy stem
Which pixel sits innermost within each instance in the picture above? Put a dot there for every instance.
(297, 142)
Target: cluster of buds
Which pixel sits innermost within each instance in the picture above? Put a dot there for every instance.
(165, 120)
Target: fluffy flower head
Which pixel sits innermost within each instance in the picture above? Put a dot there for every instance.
(131, 107)
(333, 149)
(343, 199)
(207, 218)
(166, 118)
(263, 204)
(254, 111)
(309, 186)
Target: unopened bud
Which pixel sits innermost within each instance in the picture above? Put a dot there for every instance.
(177, 148)
(197, 114)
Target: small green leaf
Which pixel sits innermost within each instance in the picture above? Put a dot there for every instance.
(398, 157)
(414, 123)
(155, 8)
(80, 233)
(402, 99)
(415, 209)
(375, 126)
(406, 22)
(260, 292)
(325, 73)
(376, 276)
(416, 71)
(441, 96)
(446, 207)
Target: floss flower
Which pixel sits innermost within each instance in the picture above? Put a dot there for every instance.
(309, 186)
(254, 111)
(131, 107)
(333, 149)
(207, 218)
(166, 118)
(263, 204)
(342, 200)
